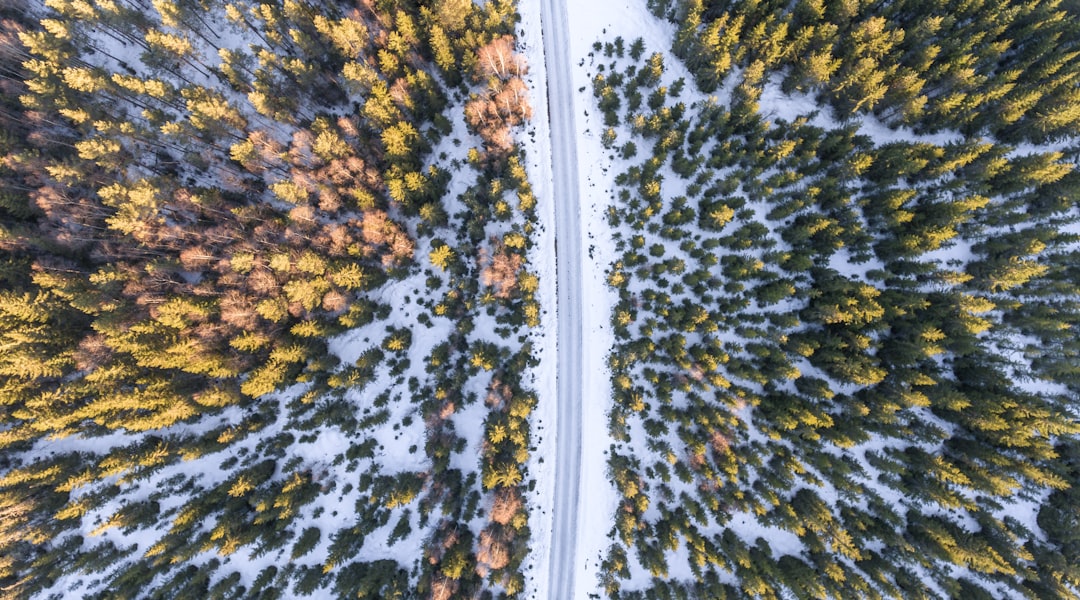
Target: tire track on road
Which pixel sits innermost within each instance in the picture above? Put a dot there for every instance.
(564, 538)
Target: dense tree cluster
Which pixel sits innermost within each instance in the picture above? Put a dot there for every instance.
(1007, 68)
(197, 197)
(842, 366)
(505, 101)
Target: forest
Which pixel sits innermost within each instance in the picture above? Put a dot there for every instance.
(846, 363)
(265, 296)
(270, 303)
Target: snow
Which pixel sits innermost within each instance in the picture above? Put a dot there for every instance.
(775, 103)
(537, 146)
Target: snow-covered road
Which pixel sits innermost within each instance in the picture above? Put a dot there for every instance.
(569, 259)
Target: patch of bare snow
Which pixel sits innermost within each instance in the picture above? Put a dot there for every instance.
(775, 103)
(536, 141)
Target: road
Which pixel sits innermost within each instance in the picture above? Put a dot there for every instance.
(564, 167)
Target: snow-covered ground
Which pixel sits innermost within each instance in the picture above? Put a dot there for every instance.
(562, 570)
(537, 146)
